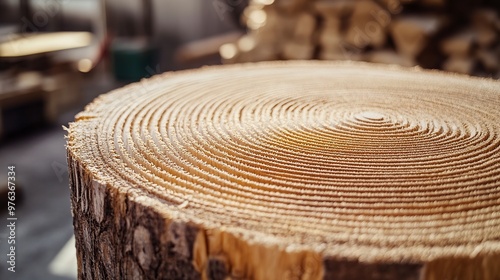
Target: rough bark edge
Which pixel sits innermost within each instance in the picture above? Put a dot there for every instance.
(459, 268)
(473, 268)
(353, 270)
(118, 237)
(222, 255)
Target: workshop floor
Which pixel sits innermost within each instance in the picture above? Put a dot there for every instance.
(44, 222)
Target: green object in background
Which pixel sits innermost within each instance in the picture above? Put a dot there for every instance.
(133, 59)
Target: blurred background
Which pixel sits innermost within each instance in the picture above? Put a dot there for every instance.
(56, 56)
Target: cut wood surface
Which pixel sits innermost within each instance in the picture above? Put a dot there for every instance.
(289, 170)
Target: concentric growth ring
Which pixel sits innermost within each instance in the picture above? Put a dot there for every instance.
(348, 160)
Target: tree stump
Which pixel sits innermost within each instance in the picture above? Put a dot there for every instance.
(289, 170)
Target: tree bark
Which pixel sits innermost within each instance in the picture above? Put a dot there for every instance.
(118, 237)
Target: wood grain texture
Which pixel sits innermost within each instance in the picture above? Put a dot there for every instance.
(289, 170)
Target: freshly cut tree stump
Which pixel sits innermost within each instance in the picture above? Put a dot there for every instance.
(289, 170)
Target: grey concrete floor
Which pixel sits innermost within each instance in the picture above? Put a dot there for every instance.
(44, 222)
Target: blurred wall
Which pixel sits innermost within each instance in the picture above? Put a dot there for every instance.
(185, 20)
(174, 22)
(9, 14)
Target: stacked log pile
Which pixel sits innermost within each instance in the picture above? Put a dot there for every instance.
(459, 36)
